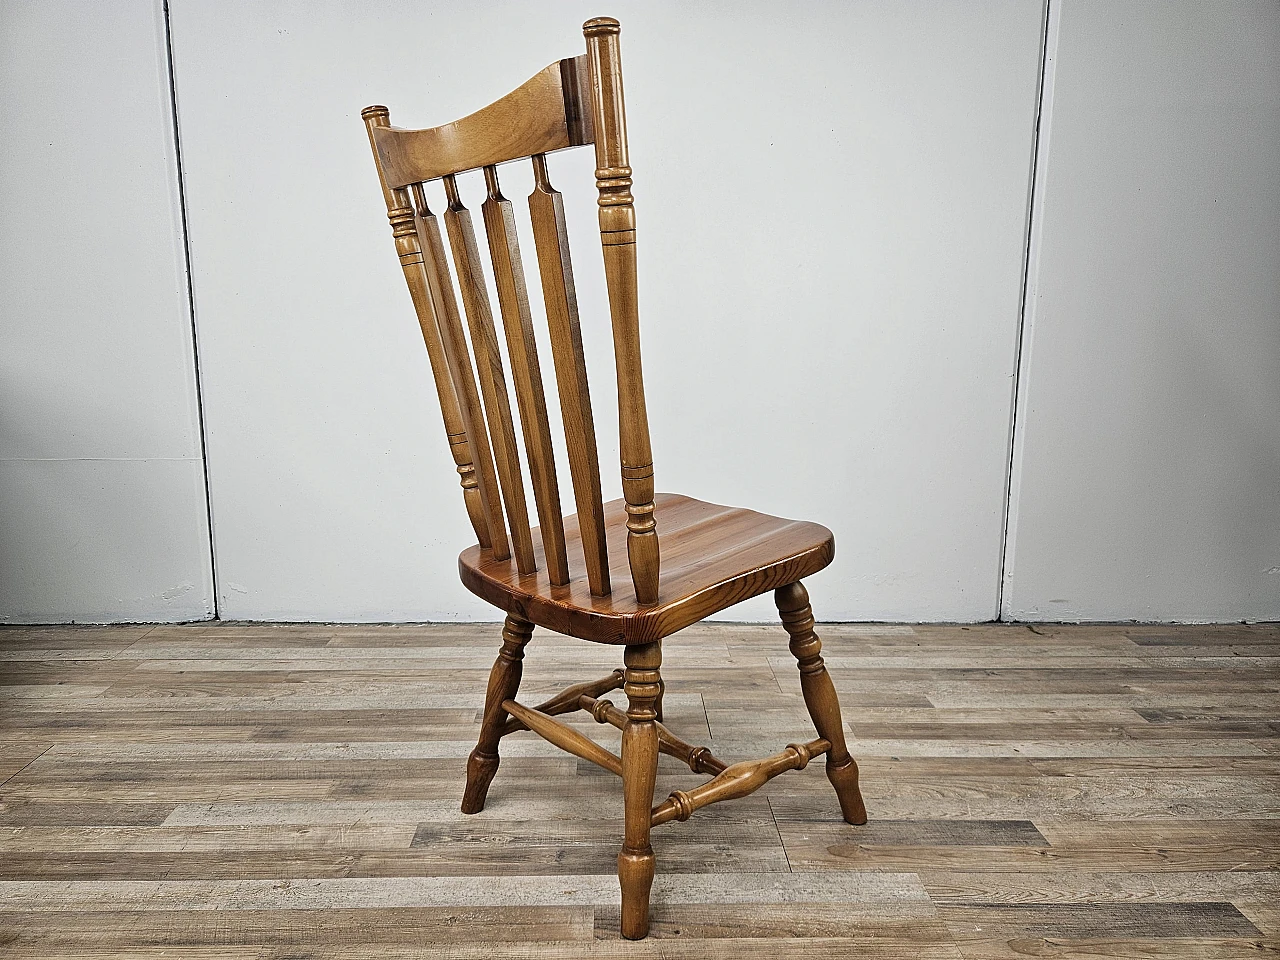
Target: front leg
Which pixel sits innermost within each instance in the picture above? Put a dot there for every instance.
(639, 770)
(820, 698)
(504, 683)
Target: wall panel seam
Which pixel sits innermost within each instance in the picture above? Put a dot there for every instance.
(191, 302)
(1030, 271)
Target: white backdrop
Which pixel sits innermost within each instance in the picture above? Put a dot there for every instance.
(833, 203)
(1148, 468)
(102, 497)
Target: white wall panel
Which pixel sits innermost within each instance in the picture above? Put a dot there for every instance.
(101, 541)
(1147, 480)
(102, 502)
(832, 202)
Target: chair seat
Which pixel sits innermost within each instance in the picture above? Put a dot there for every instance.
(712, 558)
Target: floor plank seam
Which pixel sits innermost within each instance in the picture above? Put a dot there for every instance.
(119, 653)
(25, 765)
(1078, 791)
(781, 842)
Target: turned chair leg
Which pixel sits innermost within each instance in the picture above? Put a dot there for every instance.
(820, 697)
(504, 682)
(643, 687)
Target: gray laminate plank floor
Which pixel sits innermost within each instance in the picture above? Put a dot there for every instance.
(285, 791)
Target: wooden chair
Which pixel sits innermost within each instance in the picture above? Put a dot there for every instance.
(569, 574)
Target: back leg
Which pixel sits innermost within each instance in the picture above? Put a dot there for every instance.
(820, 697)
(504, 682)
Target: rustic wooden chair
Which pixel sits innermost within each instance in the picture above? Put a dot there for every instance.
(568, 574)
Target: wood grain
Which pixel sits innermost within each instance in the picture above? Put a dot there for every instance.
(820, 698)
(618, 243)
(412, 231)
(526, 374)
(493, 384)
(755, 553)
(543, 114)
(636, 861)
(1016, 737)
(551, 241)
(324, 829)
(504, 683)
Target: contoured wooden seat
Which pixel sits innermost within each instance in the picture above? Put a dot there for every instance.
(712, 558)
(568, 574)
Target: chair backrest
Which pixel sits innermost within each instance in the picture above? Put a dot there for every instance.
(571, 103)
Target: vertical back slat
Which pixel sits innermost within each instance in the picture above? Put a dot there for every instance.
(454, 426)
(526, 374)
(618, 238)
(456, 421)
(454, 344)
(493, 384)
(551, 239)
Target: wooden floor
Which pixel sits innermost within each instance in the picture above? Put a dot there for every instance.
(292, 791)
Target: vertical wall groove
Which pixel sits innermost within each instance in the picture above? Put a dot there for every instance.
(1030, 264)
(191, 304)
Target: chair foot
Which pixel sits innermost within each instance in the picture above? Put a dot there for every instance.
(635, 874)
(820, 698)
(504, 683)
(844, 777)
(480, 773)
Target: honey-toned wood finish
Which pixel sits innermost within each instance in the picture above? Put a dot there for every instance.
(458, 359)
(618, 238)
(551, 237)
(460, 406)
(713, 557)
(517, 321)
(699, 759)
(599, 574)
(571, 698)
(566, 738)
(737, 781)
(504, 682)
(493, 384)
(820, 697)
(542, 115)
(639, 771)
(459, 446)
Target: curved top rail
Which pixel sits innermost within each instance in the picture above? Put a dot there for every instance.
(544, 114)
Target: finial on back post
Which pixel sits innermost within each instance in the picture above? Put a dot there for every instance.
(600, 26)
